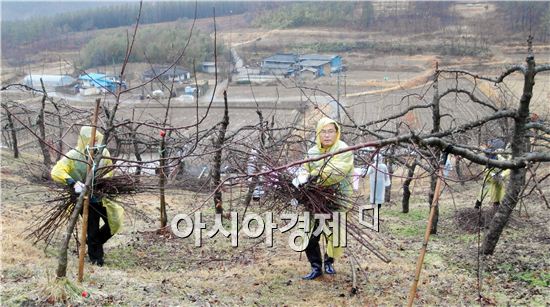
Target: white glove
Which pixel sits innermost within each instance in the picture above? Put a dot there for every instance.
(294, 202)
(78, 187)
(300, 180)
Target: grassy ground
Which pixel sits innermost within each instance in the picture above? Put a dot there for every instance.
(146, 268)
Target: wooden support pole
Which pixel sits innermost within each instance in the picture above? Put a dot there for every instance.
(420, 262)
(86, 206)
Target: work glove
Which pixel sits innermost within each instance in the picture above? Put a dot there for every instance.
(78, 187)
(294, 203)
(300, 180)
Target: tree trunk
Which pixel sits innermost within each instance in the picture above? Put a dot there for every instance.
(162, 182)
(436, 121)
(118, 143)
(433, 182)
(458, 168)
(60, 133)
(218, 144)
(42, 127)
(502, 215)
(387, 191)
(13, 136)
(137, 153)
(60, 141)
(520, 145)
(406, 187)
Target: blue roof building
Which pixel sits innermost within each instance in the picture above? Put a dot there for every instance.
(335, 60)
(279, 64)
(101, 81)
(321, 67)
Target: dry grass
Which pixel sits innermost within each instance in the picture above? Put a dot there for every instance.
(145, 268)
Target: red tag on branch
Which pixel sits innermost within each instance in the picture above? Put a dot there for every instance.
(162, 133)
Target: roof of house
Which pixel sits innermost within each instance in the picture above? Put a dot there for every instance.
(310, 69)
(318, 57)
(313, 63)
(282, 58)
(63, 79)
(92, 77)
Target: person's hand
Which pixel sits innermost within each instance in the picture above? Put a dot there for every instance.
(294, 203)
(78, 187)
(300, 180)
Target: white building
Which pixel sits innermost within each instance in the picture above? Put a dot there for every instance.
(50, 81)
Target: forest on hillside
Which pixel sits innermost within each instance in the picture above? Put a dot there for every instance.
(407, 17)
(123, 14)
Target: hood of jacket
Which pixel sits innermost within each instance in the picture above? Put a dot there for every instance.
(320, 125)
(84, 138)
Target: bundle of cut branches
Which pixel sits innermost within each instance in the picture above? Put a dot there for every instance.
(316, 198)
(117, 185)
(59, 208)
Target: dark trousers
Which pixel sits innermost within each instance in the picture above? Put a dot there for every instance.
(97, 235)
(313, 250)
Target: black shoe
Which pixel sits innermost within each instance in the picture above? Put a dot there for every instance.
(315, 272)
(98, 262)
(478, 204)
(329, 268)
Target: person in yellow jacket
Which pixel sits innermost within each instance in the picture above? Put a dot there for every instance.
(71, 170)
(494, 184)
(335, 173)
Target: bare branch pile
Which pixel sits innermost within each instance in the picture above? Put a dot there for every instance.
(59, 208)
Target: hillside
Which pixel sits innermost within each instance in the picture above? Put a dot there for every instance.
(143, 267)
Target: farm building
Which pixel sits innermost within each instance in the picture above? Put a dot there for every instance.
(309, 73)
(98, 81)
(167, 73)
(209, 67)
(334, 60)
(50, 81)
(279, 64)
(319, 67)
(287, 63)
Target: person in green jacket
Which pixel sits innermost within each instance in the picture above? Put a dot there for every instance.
(334, 173)
(71, 170)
